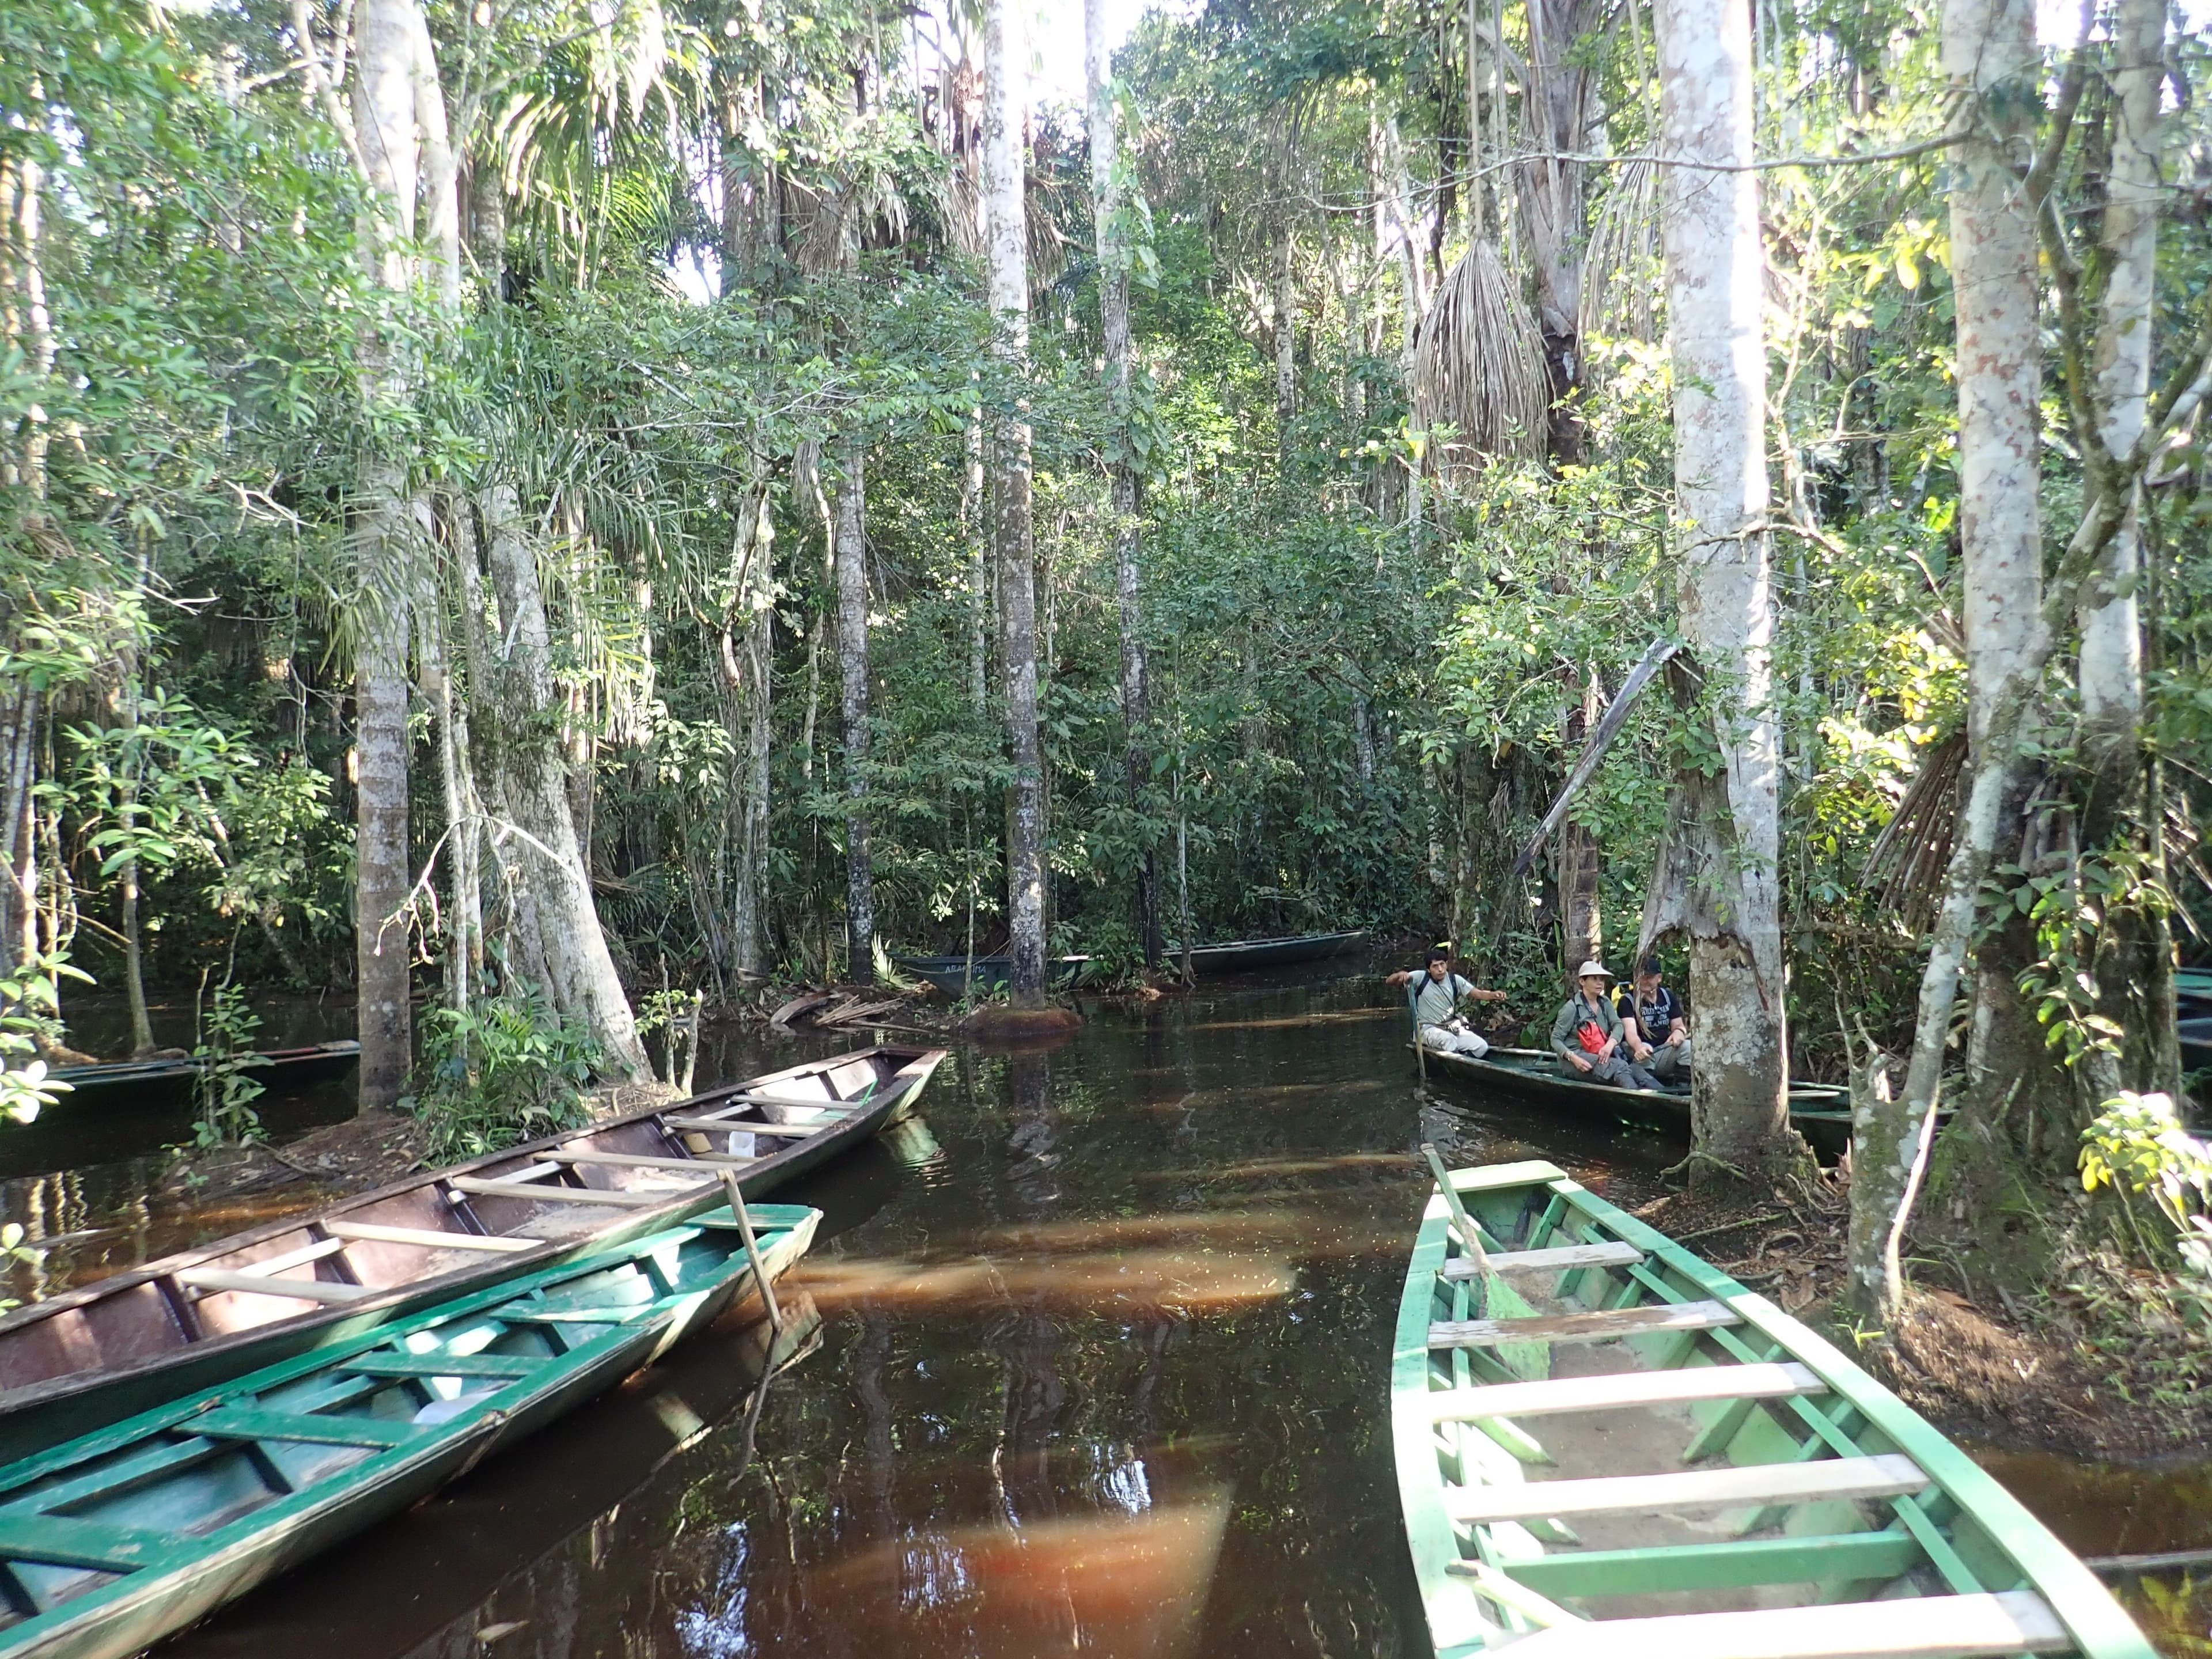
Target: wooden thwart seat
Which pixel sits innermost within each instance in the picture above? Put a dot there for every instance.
(437, 1363)
(1912, 1628)
(1889, 1476)
(211, 1281)
(247, 1423)
(1616, 1389)
(1561, 1259)
(636, 1161)
(718, 1126)
(1600, 1327)
(533, 1192)
(430, 1238)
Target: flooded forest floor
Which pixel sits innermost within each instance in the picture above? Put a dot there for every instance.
(1109, 1342)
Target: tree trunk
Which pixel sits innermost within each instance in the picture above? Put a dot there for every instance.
(1989, 54)
(1714, 268)
(582, 980)
(1580, 912)
(386, 48)
(1287, 322)
(2134, 960)
(1005, 174)
(979, 563)
(852, 559)
(1127, 491)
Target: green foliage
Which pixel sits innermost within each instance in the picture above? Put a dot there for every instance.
(505, 1069)
(30, 1016)
(2138, 1148)
(226, 1087)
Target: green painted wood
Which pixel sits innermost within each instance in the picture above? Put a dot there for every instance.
(1961, 1518)
(1840, 1558)
(158, 1460)
(171, 1575)
(434, 1363)
(57, 1541)
(242, 1423)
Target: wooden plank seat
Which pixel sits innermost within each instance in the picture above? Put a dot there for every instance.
(1830, 1480)
(1560, 1259)
(1602, 1326)
(59, 1542)
(211, 1281)
(534, 1192)
(429, 1238)
(311, 1428)
(1910, 1627)
(637, 1161)
(719, 1126)
(1613, 1391)
(437, 1364)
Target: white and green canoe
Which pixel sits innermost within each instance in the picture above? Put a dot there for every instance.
(1607, 1448)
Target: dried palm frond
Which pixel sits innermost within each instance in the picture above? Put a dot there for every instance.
(1478, 364)
(1622, 272)
(1914, 849)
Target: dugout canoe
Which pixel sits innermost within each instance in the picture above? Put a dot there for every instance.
(115, 1540)
(167, 1082)
(1244, 956)
(190, 1321)
(1606, 1447)
(1821, 1112)
(952, 975)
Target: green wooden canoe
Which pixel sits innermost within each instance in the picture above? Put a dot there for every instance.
(97, 1354)
(1821, 1112)
(1607, 1448)
(120, 1538)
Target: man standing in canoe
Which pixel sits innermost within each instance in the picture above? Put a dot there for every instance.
(1588, 1036)
(1658, 1024)
(1436, 1007)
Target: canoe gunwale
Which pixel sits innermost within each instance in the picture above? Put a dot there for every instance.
(209, 1569)
(2097, 1624)
(910, 1069)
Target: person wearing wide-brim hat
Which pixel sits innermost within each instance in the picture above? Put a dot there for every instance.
(1588, 1035)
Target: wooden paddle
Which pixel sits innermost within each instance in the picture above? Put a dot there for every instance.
(1531, 1359)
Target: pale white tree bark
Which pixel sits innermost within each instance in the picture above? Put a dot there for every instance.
(1714, 262)
(583, 983)
(850, 536)
(1004, 174)
(1990, 55)
(1106, 210)
(386, 56)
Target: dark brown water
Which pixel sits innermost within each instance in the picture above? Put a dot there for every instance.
(1100, 1366)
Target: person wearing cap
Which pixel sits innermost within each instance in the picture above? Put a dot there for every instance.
(1588, 1036)
(1658, 1025)
(1438, 995)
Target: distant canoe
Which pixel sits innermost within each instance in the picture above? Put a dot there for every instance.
(952, 974)
(2193, 991)
(161, 1083)
(1243, 954)
(104, 1351)
(117, 1539)
(1821, 1112)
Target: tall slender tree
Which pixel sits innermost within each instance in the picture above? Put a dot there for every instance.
(389, 149)
(1990, 55)
(1716, 881)
(1012, 532)
(1109, 209)
(849, 535)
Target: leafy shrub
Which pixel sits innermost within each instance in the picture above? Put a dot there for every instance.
(502, 1070)
(2138, 1147)
(225, 1054)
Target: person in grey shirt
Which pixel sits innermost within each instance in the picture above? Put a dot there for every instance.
(1590, 1007)
(1438, 995)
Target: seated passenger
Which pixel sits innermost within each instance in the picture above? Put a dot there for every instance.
(1436, 1000)
(1658, 1025)
(1588, 1035)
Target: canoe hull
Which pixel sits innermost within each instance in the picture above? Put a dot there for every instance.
(1821, 1114)
(1863, 1528)
(45, 1412)
(117, 1624)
